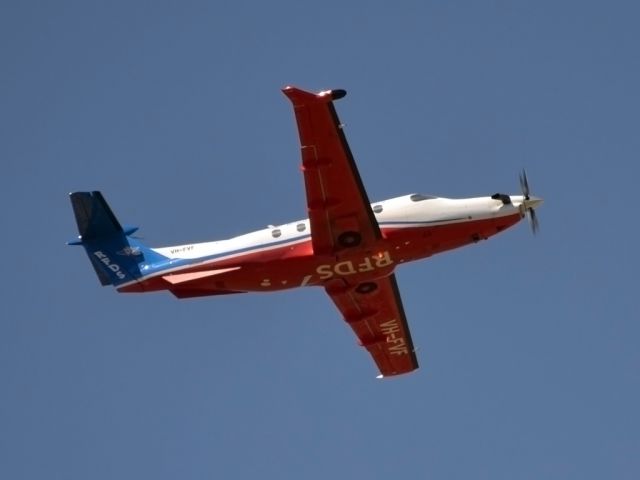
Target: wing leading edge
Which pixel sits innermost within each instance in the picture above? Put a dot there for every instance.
(341, 218)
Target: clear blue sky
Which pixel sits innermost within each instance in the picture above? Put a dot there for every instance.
(528, 346)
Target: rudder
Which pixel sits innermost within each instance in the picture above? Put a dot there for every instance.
(93, 215)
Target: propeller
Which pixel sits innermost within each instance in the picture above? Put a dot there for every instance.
(529, 204)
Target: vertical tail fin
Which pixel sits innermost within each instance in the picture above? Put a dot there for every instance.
(116, 257)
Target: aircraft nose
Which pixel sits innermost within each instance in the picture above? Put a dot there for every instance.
(532, 202)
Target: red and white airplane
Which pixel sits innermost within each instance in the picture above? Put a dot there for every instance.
(348, 246)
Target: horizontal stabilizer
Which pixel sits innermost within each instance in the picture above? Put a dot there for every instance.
(195, 293)
(188, 277)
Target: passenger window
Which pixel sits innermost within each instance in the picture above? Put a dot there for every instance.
(301, 227)
(276, 233)
(377, 208)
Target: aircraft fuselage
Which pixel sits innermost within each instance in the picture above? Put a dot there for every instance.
(282, 257)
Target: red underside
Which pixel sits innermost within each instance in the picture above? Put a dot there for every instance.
(296, 265)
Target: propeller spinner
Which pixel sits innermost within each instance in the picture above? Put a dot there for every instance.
(529, 203)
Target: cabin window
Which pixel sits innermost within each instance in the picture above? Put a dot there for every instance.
(301, 227)
(418, 197)
(276, 233)
(377, 208)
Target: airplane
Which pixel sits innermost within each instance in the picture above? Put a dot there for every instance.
(348, 245)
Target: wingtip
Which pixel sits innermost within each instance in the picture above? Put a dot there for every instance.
(295, 92)
(78, 241)
(338, 93)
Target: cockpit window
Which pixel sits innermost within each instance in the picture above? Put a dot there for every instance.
(418, 197)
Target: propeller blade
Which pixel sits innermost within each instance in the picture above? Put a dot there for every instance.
(533, 218)
(524, 184)
(528, 206)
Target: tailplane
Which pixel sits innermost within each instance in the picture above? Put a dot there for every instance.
(116, 257)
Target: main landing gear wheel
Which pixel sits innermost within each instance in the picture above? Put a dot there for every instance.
(366, 287)
(349, 239)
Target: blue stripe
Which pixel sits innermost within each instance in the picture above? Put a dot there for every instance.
(153, 269)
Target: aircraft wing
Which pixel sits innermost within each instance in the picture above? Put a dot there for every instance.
(341, 217)
(377, 318)
(339, 210)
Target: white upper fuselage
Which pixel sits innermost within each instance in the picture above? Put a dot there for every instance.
(400, 212)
